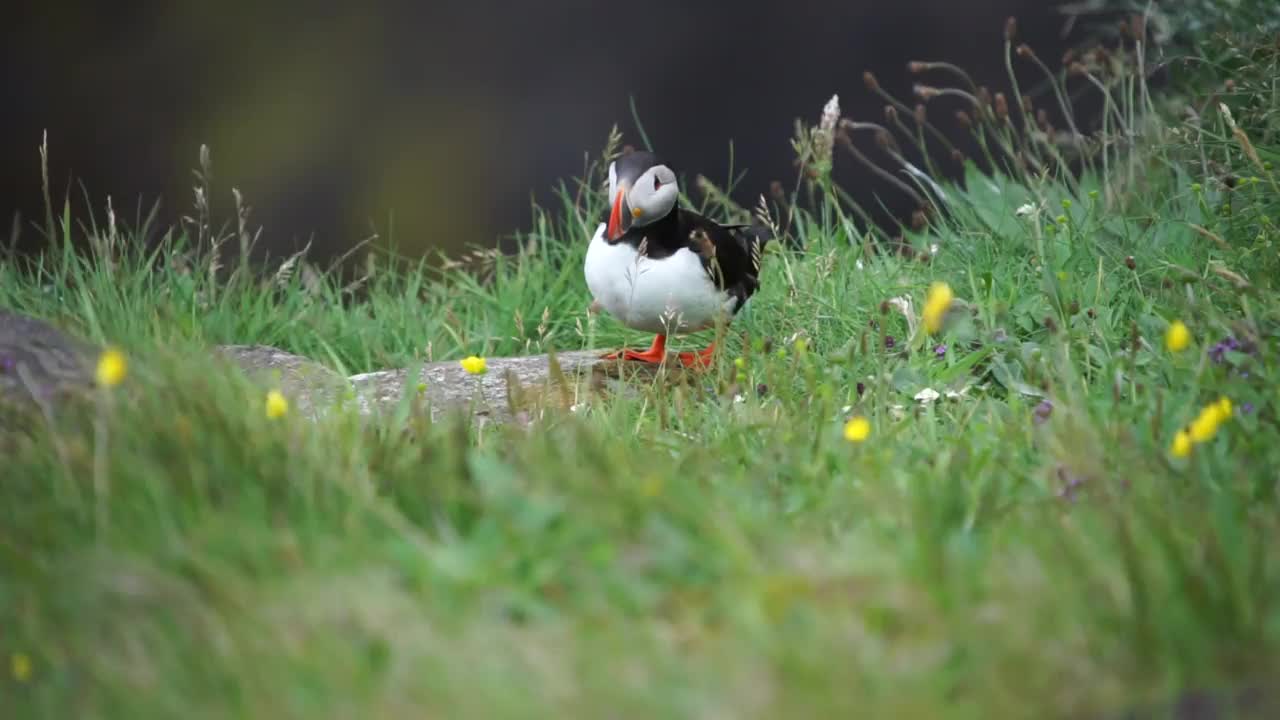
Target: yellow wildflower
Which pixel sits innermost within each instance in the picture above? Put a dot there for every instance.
(652, 486)
(1224, 408)
(112, 367)
(1211, 417)
(277, 405)
(1205, 426)
(473, 365)
(936, 305)
(1177, 337)
(20, 665)
(1181, 446)
(857, 429)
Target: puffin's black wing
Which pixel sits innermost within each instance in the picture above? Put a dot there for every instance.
(730, 254)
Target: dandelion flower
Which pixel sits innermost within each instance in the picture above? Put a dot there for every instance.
(20, 666)
(1205, 426)
(857, 429)
(1177, 338)
(936, 305)
(1181, 446)
(112, 368)
(1224, 408)
(474, 365)
(277, 405)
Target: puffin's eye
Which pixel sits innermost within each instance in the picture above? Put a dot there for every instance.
(656, 183)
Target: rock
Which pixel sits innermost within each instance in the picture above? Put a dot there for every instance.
(511, 388)
(309, 385)
(40, 366)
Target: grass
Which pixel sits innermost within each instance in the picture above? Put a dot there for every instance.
(1025, 545)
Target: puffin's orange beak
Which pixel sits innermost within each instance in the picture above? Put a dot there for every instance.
(615, 217)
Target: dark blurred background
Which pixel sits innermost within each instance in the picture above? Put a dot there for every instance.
(438, 123)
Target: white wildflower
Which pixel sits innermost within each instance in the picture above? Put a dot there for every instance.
(831, 115)
(927, 396)
(825, 136)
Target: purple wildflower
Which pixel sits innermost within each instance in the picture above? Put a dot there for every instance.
(1070, 484)
(7, 363)
(1042, 412)
(1218, 352)
(889, 342)
(940, 350)
(1246, 408)
(861, 389)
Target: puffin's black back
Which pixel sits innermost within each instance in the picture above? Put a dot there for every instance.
(731, 254)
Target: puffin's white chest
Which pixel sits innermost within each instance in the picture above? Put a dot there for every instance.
(664, 296)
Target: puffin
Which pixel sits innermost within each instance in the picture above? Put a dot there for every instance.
(659, 268)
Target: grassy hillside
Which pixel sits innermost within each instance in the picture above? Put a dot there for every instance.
(853, 514)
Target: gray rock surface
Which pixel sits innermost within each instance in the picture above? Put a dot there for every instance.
(40, 362)
(514, 388)
(40, 365)
(510, 388)
(310, 386)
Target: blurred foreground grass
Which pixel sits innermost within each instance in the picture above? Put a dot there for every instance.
(1026, 544)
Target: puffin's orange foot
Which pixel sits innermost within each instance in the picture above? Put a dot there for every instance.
(646, 356)
(656, 353)
(701, 359)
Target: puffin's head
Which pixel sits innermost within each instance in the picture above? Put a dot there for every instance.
(642, 190)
